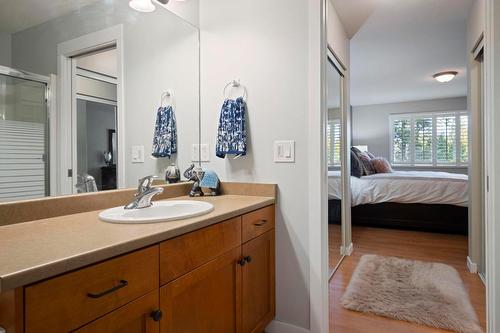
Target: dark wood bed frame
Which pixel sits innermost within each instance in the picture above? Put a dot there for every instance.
(420, 217)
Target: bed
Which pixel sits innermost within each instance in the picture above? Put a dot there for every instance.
(414, 200)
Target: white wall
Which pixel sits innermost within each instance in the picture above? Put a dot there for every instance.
(475, 28)
(265, 45)
(370, 124)
(160, 53)
(5, 49)
(336, 35)
(188, 10)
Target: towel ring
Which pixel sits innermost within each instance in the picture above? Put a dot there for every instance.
(166, 96)
(235, 84)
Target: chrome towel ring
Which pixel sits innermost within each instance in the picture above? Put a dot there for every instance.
(235, 84)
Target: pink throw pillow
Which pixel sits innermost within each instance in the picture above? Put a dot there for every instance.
(381, 165)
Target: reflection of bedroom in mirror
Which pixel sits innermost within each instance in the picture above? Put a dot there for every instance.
(416, 175)
(334, 161)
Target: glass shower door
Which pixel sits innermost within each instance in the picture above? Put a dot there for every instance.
(24, 144)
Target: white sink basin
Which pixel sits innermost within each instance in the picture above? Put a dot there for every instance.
(161, 211)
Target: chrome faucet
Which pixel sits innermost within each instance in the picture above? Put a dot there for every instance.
(145, 192)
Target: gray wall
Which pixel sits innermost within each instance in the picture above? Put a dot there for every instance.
(370, 124)
(5, 49)
(100, 118)
(160, 53)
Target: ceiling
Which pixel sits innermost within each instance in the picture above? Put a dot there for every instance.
(397, 46)
(17, 15)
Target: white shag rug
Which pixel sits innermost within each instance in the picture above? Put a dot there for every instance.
(426, 293)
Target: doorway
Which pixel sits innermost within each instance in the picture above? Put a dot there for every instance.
(95, 147)
(90, 75)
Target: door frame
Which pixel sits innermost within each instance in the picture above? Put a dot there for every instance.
(492, 161)
(66, 51)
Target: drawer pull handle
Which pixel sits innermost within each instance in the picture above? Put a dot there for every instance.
(248, 259)
(121, 285)
(156, 315)
(260, 223)
(242, 262)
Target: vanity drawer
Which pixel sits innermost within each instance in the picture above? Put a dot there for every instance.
(257, 223)
(182, 254)
(71, 300)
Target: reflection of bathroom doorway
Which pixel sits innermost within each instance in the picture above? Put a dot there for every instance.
(90, 71)
(95, 90)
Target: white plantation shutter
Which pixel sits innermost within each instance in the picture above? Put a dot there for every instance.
(22, 166)
(423, 140)
(446, 139)
(433, 138)
(464, 138)
(333, 142)
(401, 140)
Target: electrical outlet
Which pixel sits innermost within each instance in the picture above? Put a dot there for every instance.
(204, 149)
(195, 153)
(205, 152)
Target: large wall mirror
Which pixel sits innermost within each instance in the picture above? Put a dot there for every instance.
(81, 84)
(335, 160)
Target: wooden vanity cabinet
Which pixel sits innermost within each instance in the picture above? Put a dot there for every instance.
(218, 279)
(229, 293)
(258, 287)
(139, 316)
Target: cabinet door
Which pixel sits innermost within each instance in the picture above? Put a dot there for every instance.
(139, 316)
(205, 300)
(258, 285)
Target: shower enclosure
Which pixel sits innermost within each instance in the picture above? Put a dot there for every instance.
(24, 135)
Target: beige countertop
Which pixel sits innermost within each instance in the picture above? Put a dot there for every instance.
(36, 250)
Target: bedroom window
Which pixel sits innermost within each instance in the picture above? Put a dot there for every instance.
(430, 139)
(333, 142)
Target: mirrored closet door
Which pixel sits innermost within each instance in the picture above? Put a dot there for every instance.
(334, 160)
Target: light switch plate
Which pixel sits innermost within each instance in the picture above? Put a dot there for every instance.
(137, 154)
(284, 151)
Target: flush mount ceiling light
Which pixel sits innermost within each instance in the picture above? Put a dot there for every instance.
(145, 6)
(444, 77)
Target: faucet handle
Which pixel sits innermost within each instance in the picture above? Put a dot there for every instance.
(145, 184)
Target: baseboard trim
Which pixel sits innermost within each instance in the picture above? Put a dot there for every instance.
(483, 278)
(471, 265)
(347, 250)
(281, 327)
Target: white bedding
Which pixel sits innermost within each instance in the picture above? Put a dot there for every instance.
(425, 187)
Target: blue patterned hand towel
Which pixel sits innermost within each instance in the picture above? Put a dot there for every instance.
(231, 134)
(165, 137)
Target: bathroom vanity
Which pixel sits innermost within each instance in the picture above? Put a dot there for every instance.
(212, 273)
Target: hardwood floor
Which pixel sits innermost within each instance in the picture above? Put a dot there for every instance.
(448, 249)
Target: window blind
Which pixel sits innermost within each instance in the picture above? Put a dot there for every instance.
(433, 138)
(22, 166)
(333, 142)
(401, 139)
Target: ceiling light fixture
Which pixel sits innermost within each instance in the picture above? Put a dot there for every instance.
(444, 77)
(145, 6)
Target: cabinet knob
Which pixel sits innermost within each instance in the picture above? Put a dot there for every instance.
(242, 262)
(156, 315)
(2, 330)
(248, 259)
